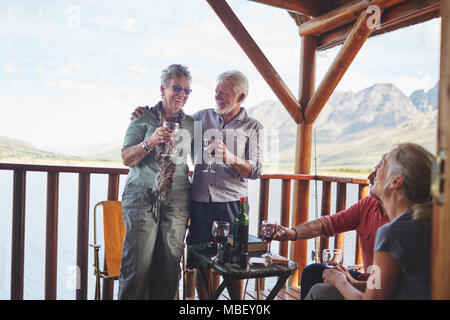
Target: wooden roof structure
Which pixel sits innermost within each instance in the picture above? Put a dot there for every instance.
(323, 24)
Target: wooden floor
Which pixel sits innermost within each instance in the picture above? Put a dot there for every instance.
(291, 293)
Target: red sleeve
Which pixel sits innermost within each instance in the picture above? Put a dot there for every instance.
(345, 220)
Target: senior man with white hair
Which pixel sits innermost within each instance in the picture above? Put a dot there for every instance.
(238, 157)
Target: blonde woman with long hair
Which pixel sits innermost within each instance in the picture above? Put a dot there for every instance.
(401, 268)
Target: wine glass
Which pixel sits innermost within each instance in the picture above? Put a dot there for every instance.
(220, 231)
(206, 143)
(332, 257)
(173, 126)
(267, 233)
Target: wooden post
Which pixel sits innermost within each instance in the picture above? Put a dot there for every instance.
(440, 275)
(403, 14)
(325, 211)
(285, 215)
(263, 214)
(284, 212)
(360, 32)
(51, 245)
(259, 60)
(363, 192)
(300, 207)
(342, 15)
(83, 235)
(18, 235)
(263, 201)
(341, 195)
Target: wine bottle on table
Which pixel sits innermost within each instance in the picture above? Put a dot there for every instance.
(240, 242)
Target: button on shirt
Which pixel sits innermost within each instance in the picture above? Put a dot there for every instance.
(242, 136)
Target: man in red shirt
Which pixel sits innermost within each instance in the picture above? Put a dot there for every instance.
(365, 216)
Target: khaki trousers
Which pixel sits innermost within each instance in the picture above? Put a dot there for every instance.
(153, 244)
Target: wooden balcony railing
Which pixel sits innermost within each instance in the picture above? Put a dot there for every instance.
(84, 174)
(18, 222)
(285, 215)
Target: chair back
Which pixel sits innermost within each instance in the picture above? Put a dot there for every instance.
(114, 233)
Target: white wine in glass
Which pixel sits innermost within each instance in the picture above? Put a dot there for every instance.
(173, 126)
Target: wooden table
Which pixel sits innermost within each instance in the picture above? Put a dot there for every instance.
(230, 272)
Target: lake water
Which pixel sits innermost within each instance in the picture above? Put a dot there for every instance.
(35, 228)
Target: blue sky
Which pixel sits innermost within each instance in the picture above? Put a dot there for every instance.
(72, 71)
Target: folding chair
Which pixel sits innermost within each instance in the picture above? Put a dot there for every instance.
(114, 233)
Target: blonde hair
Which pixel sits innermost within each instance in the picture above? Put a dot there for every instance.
(423, 212)
(413, 163)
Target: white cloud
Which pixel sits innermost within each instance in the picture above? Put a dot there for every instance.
(9, 68)
(129, 24)
(113, 62)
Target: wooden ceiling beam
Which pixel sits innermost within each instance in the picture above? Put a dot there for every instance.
(308, 7)
(341, 16)
(414, 11)
(257, 57)
(359, 34)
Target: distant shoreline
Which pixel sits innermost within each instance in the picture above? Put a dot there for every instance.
(283, 168)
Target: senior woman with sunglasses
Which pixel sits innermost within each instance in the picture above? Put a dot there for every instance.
(156, 198)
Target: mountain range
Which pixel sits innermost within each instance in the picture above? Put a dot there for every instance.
(352, 131)
(355, 129)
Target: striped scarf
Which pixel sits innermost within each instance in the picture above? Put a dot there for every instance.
(164, 177)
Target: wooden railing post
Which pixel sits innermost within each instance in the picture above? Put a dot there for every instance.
(263, 214)
(263, 201)
(285, 212)
(83, 235)
(18, 235)
(300, 206)
(325, 211)
(363, 192)
(341, 195)
(51, 245)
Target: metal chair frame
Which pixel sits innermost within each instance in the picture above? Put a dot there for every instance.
(98, 273)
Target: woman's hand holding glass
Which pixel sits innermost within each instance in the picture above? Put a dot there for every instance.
(161, 135)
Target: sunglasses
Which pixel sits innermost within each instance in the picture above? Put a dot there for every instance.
(178, 89)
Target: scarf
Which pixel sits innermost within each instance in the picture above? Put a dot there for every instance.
(164, 177)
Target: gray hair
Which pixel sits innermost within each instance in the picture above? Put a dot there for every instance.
(174, 71)
(237, 79)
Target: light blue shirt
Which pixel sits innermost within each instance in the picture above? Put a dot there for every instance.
(243, 137)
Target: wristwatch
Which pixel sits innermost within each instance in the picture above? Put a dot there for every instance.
(145, 146)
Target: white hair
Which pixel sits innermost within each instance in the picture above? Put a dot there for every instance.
(237, 80)
(174, 71)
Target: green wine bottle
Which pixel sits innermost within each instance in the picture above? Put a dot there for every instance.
(241, 229)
